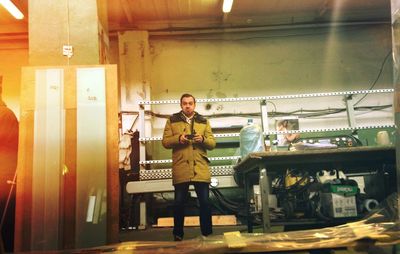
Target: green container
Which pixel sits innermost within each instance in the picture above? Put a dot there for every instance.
(345, 190)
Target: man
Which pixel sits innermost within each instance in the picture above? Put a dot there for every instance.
(189, 135)
(8, 165)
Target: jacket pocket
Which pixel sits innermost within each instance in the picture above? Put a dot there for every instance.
(205, 158)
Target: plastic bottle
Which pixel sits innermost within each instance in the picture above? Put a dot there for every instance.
(251, 138)
(274, 146)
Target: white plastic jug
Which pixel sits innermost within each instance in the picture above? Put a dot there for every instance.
(251, 139)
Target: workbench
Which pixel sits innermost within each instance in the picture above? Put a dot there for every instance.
(266, 163)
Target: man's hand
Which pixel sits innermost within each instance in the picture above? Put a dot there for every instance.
(183, 139)
(198, 138)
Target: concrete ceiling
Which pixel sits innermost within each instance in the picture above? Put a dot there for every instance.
(189, 14)
(170, 15)
(9, 25)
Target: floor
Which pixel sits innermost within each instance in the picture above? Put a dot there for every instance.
(193, 233)
(165, 234)
(153, 240)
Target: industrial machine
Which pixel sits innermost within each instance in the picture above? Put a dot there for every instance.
(326, 195)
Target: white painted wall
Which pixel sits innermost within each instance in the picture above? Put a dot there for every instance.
(275, 62)
(272, 63)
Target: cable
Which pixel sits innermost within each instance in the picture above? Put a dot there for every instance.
(8, 201)
(234, 207)
(133, 124)
(225, 202)
(217, 206)
(164, 198)
(304, 113)
(377, 77)
(204, 38)
(273, 104)
(300, 113)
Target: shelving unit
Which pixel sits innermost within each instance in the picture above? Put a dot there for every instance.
(347, 96)
(159, 180)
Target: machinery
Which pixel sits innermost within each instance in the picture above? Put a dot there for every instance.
(325, 195)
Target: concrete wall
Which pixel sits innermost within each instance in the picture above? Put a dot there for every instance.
(263, 63)
(275, 62)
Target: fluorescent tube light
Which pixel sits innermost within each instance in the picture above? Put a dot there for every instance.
(227, 6)
(12, 9)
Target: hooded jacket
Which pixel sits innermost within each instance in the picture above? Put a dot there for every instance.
(189, 161)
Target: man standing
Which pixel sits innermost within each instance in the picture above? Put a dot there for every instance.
(8, 166)
(189, 135)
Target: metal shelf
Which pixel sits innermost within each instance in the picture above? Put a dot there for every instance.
(157, 174)
(225, 135)
(275, 97)
(225, 158)
(332, 129)
(264, 118)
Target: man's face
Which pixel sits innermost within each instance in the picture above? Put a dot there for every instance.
(188, 105)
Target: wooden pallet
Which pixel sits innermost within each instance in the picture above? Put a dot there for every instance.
(193, 221)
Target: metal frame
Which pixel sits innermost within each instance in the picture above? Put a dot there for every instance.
(264, 114)
(291, 131)
(166, 173)
(350, 110)
(165, 185)
(274, 97)
(348, 96)
(228, 181)
(275, 162)
(170, 161)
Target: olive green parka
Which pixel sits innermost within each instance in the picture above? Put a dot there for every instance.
(189, 161)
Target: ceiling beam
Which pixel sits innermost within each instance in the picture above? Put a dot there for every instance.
(127, 10)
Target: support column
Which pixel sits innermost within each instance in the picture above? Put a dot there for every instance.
(135, 64)
(80, 24)
(395, 11)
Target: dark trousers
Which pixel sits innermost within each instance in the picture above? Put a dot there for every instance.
(181, 192)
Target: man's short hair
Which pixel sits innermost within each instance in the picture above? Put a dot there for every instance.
(187, 95)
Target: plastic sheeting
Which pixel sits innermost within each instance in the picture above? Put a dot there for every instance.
(378, 229)
(251, 139)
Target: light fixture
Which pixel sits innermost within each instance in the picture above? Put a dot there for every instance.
(227, 6)
(12, 9)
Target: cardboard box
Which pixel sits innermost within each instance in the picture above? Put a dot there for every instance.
(339, 206)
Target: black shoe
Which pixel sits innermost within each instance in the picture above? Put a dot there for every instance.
(205, 235)
(178, 238)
